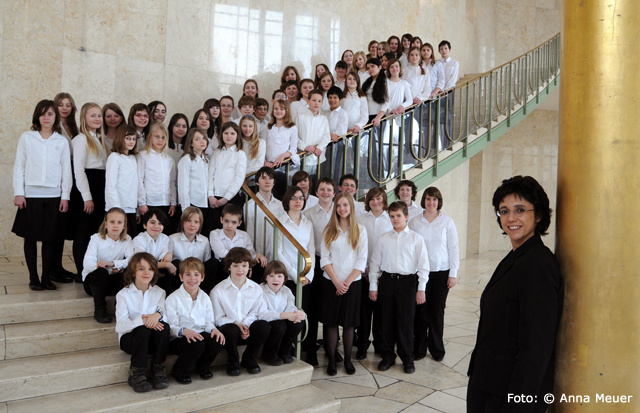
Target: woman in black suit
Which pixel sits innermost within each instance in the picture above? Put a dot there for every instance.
(520, 308)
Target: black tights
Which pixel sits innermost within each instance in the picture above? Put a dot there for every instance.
(31, 256)
(332, 342)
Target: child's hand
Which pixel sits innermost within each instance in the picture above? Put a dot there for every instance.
(244, 330)
(172, 210)
(104, 264)
(152, 321)
(222, 202)
(213, 202)
(171, 268)
(262, 259)
(167, 257)
(355, 129)
(373, 295)
(143, 209)
(310, 149)
(318, 152)
(218, 336)
(270, 164)
(339, 286)
(279, 161)
(420, 297)
(64, 205)
(300, 316)
(191, 335)
(20, 201)
(335, 137)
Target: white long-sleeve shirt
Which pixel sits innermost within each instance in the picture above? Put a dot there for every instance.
(227, 170)
(363, 76)
(451, 69)
(255, 218)
(441, 239)
(319, 219)
(420, 84)
(436, 71)
(121, 188)
(375, 226)
(399, 253)
(159, 247)
(221, 244)
(263, 127)
(132, 304)
(288, 254)
(414, 210)
(298, 108)
(156, 179)
(258, 162)
(193, 182)
(86, 159)
(185, 312)
(281, 140)
(313, 130)
(182, 248)
(373, 106)
(231, 304)
(338, 120)
(342, 257)
(42, 168)
(357, 110)
(106, 249)
(399, 94)
(275, 303)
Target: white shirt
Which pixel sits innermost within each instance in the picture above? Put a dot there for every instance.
(338, 120)
(158, 248)
(275, 303)
(231, 304)
(414, 210)
(399, 253)
(311, 202)
(298, 108)
(288, 254)
(227, 170)
(325, 102)
(375, 228)
(357, 110)
(404, 61)
(121, 187)
(340, 84)
(221, 244)
(359, 207)
(255, 218)
(185, 312)
(193, 181)
(132, 304)
(420, 84)
(281, 140)
(363, 76)
(106, 250)
(313, 130)
(319, 219)
(42, 168)
(263, 127)
(436, 71)
(258, 162)
(399, 94)
(451, 69)
(441, 240)
(86, 159)
(373, 106)
(212, 146)
(156, 179)
(342, 257)
(182, 248)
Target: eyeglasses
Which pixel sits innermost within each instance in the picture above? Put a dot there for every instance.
(297, 198)
(517, 212)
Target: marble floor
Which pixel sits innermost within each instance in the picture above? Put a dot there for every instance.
(434, 387)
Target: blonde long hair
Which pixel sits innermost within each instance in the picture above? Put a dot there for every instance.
(149, 143)
(84, 129)
(332, 231)
(255, 141)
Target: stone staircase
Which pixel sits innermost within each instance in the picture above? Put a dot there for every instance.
(56, 358)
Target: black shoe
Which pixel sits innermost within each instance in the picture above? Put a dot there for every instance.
(348, 366)
(286, 358)
(272, 360)
(409, 368)
(138, 381)
(438, 358)
(251, 365)
(361, 354)
(417, 357)
(48, 285)
(181, 377)
(331, 369)
(61, 278)
(79, 278)
(312, 358)
(385, 365)
(101, 316)
(205, 374)
(160, 380)
(35, 287)
(233, 369)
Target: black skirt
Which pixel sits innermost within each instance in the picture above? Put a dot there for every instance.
(41, 220)
(341, 310)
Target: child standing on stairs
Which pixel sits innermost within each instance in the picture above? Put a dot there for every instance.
(140, 308)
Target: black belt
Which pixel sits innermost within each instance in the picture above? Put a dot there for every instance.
(397, 276)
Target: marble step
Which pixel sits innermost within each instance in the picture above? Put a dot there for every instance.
(304, 399)
(199, 395)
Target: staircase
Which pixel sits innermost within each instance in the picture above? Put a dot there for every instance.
(56, 358)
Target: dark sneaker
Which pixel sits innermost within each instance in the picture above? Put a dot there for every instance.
(160, 380)
(138, 381)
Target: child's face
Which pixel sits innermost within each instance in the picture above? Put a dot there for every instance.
(154, 227)
(180, 128)
(214, 111)
(275, 282)
(94, 118)
(334, 101)
(261, 111)
(405, 193)
(398, 219)
(360, 61)
(425, 52)
(431, 203)
(306, 88)
(291, 75)
(111, 118)
(229, 137)
(326, 83)
(199, 143)
(292, 92)
(115, 224)
(373, 49)
(393, 45)
(352, 84)
(348, 57)
(191, 279)
(349, 186)
(304, 185)
(325, 192)
(191, 225)
(130, 142)
(315, 102)
(280, 96)
(247, 129)
(141, 119)
(265, 183)
(376, 204)
(444, 51)
(297, 202)
(158, 141)
(319, 70)
(239, 269)
(279, 111)
(394, 69)
(203, 121)
(160, 113)
(341, 71)
(144, 273)
(343, 208)
(414, 57)
(374, 70)
(64, 108)
(250, 89)
(406, 43)
(226, 107)
(230, 223)
(246, 110)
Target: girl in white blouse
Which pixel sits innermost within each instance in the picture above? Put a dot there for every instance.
(140, 118)
(121, 179)
(326, 82)
(441, 239)
(435, 69)
(227, 170)
(399, 90)
(343, 253)
(42, 183)
(202, 120)
(302, 106)
(417, 77)
(107, 256)
(355, 103)
(157, 175)
(254, 148)
(140, 309)
(67, 111)
(193, 175)
(153, 241)
(360, 66)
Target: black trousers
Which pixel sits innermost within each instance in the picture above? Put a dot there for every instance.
(258, 333)
(368, 313)
(283, 334)
(132, 225)
(429, 319)
(311, 304)
(202, 353)
(396, 298)
(99, 284)
(142, 341)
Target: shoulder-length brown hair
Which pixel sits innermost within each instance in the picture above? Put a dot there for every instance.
(115, 108)
(283, 78)
(118, 145)
(43, 106)
(374, 192)
(140, 107)
(132, 267)
(188, 140)
(288, 122)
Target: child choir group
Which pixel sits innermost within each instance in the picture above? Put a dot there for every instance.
(171, 247)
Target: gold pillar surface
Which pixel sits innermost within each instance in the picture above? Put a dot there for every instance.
(598, 233)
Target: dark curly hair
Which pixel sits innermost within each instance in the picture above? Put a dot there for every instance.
(527, 188)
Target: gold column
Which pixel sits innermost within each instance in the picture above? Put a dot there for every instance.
(598, 210)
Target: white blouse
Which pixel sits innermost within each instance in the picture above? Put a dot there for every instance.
(227, 170)
(156, 179)
(363, 76)
(86, 159)
(258, 162)
(375, 226)
(357, 110)
(375, 107)
(193, 181)
(231, 304)
(441, 240)
(255, 217)
(298, 108)
(399, 94)
(275, 303)
(319, 219)
(132, 304)
(342, 257)
(281, 140)
(288, 254)
(420, 84)
(185, 312)
(106, 249)
(182, 248)
(338, 120)
(158, 247)
(121, 188)
(436, 71)
(221, 244)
